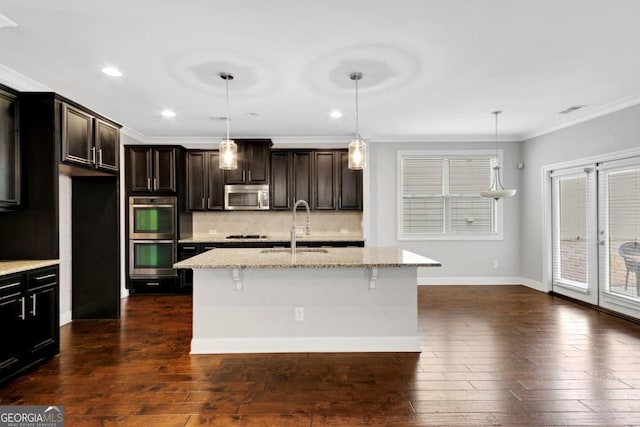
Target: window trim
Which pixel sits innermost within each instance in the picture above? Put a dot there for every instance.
(450, 154)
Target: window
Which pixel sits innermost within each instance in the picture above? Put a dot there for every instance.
(438, 197)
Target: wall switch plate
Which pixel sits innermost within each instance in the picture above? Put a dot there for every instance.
(299, 314)
(496, 264)
(213, 231)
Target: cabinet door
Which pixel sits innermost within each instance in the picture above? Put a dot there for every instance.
(196, 181)
(9, 152)
(43, 320)
(280, 186)
(139, 169)
(349, 185)
(324, 185)
(302, 177)
(164, 166)
(77, 136)
(237, 176)
(215, 182)
(107, 145)
(257, 163)
(12, 315)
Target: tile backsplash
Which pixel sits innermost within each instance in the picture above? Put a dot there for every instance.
(224, 223)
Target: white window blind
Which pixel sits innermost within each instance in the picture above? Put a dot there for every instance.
(439, 196)
(620, 224)
(573, 199)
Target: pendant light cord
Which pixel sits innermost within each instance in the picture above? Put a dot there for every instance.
(496, 113)
(357, 123)
(227, 91)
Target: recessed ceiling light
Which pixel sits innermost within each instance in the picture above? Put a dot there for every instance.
(335, 114)
(6, 22)
(168, 113)
(218, 118)
(252, 114)
(112, 71)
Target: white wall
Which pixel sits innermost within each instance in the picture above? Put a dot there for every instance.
(614, 132)
(463, 262)
(64, 206)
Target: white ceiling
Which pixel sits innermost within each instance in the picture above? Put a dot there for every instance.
(433, 70)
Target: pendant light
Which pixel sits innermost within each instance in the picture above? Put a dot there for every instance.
(497, 190)
(228, 148)
(357, 147)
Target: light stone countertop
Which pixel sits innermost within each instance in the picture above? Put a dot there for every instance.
(275, 237)
(308, 258)
(18, 266)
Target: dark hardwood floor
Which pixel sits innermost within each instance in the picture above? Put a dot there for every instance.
(491, 355)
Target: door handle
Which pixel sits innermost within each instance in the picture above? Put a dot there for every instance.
(100, 157)
(33, 304)
(249, 174)
(149, 184)
(93, 155)
(155, 184)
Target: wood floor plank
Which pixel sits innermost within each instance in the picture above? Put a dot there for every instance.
(531, 359)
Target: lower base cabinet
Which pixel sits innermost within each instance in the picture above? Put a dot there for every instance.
(30, 319)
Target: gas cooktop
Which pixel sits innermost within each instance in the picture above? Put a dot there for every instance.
(246, 236)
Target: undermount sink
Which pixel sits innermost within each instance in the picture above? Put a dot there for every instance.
(298, 250)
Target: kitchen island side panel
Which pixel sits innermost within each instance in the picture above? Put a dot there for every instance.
(340, 310)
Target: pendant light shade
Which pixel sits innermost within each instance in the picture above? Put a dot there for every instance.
(357, 147)
(228, 148)
(497, 190)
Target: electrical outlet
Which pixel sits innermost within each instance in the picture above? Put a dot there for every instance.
(496, 264)
(299, 314)
(213, 231)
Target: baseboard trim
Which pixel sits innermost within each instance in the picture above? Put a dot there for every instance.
(306, 345)
(65, 317)
(463, 281)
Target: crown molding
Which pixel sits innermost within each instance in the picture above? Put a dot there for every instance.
(20, 82)
(587, 114)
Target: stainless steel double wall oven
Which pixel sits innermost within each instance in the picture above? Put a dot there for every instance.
(153, 236)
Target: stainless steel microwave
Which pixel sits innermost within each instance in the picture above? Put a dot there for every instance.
(246, 197)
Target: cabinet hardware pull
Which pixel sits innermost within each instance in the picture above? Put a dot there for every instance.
(188, 247)
(48, 276)
(33, 304)
(22, 316)
(203, 204)
(100, 157)
(10, 285)
(153, 284)
(243, 175)
(155, 184)
(249, 175)
(149, 184)
(93, 155)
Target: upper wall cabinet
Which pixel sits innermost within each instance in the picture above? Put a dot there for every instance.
(9, 151)
(152, 169)
(253, 162)
(349, 184)
(88, 140)
(205, 186)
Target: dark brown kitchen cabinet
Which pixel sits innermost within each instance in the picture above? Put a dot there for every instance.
(9, 151)
(151, 169)
(205, 182)
(349, 184)
(291, 178)
(325, 179)
(253, 163)
(89, 141)
(29, 314)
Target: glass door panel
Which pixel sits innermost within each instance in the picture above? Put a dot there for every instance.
(574, 234)
(619, 209)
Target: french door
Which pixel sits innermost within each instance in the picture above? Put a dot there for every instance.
(596, 234)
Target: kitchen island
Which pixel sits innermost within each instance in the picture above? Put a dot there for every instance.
(316, 300)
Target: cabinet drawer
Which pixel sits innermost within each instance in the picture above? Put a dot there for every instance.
(42, 277)
(11, 284)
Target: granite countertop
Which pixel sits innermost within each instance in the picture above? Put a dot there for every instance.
(18, 266)
(307, 258)
(275, 237)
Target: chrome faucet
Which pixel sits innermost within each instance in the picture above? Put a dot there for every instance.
(293, 230)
